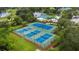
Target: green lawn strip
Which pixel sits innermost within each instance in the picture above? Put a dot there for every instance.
(21, 44)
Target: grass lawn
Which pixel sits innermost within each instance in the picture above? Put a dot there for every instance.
(21, 44)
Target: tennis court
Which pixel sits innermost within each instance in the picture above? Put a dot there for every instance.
(43, 38)
(40, 25)
(33, 33)
(37, 33)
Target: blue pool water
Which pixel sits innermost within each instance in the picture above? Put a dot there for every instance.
(43, 38)
(40, 25)
(33, 33)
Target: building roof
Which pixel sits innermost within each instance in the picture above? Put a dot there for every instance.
(4, 14)
(75, 19)
(42, 17)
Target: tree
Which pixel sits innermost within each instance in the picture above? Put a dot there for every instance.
(17, 20)
(66, 14)
(4, 32)
(71, 39)
(75, 11)
(26, 14)
(70, 34)
(63, 23)
(5, 43)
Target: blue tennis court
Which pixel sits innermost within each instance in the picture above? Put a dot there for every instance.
(43, 38)
(23, 30)
(32, 33)
(40, 25)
